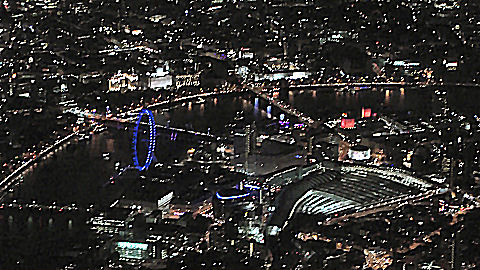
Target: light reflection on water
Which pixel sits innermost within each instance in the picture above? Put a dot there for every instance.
(84, 165)
(36, 222)
(54, 179)
(387, 97)
(316, 103)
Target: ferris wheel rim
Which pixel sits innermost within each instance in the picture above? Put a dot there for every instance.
(151, 140)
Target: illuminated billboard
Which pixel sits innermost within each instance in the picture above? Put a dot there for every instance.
(366, 112)
(347, 123)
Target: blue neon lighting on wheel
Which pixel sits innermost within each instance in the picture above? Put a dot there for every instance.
(232, 197)
(150, 141)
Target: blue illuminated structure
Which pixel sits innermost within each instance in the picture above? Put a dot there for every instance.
(232, 197)
(150, 141)
(251, 186)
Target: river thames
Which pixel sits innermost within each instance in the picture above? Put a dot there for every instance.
(76, 174)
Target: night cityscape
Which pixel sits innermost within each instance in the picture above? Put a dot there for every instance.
(239, 134)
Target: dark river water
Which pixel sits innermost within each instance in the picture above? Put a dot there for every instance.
(76, 173)
(413, 101)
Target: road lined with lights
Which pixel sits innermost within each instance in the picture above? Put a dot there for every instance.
(8, 181)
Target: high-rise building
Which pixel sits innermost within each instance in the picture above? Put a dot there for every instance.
(250, 142)
(310, 145)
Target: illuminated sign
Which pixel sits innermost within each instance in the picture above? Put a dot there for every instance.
(400, 63)
(366, 112)
(347, 123)
(451, 66)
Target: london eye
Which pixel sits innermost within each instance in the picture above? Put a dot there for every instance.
(148, 143)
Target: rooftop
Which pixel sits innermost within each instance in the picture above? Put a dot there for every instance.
(345, 190)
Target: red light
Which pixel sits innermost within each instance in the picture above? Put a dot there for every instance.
(347, 123)
(366, 112)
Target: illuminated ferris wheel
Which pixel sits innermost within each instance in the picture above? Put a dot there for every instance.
(149, 140)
